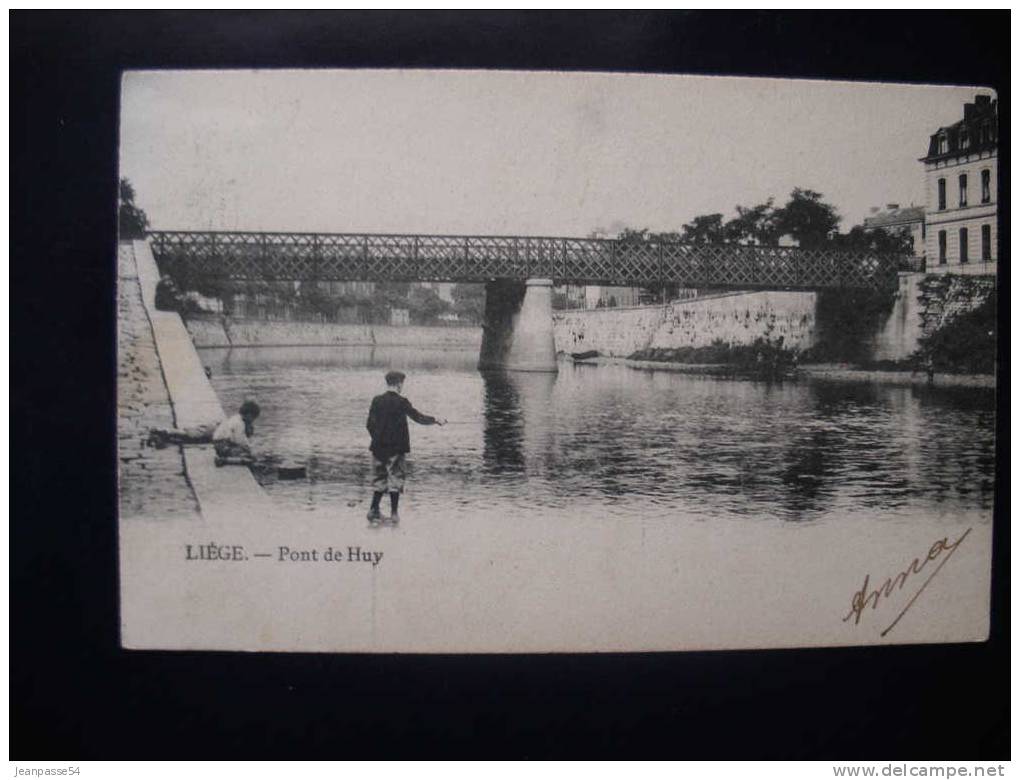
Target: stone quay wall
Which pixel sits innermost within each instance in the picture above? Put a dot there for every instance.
(152, 481)
(219, 331)
(734, 319)
(943, 298)
(924, 303)
(222, 495)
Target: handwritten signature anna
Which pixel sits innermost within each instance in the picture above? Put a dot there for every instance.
(862, 598)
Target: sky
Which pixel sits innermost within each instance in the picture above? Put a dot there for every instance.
(512, 153)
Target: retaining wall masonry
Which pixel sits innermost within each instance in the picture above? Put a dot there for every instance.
(219, 331)
(945, 297)
(733, 319)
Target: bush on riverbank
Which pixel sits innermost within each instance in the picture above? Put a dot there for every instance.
(964, 345)
(765, 355)
(847, 322)
(169, 298)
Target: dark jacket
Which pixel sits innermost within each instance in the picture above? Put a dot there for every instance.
(387, 423)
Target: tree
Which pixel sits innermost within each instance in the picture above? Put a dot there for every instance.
(132, 221)
(707, 229)
(754, 225)
(394, 292)
(632, 236)
(425, 304)
(807, 218)
(469, 302)
(875, 240)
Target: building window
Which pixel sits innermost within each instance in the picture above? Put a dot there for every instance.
(964, 139)
(963, 245)
(942, 247)
(986, 243)
(942, 194)
(943, 143)
(986, 186)
(963, 190)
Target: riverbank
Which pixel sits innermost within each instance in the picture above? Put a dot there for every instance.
(152, 482)
(841, 373)
(220, 331)
(830, 372)
(163, 385)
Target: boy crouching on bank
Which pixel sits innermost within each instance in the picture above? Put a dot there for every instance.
(231, 437)
(387, 424)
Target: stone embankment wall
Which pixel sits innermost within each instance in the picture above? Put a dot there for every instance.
(733, 319)
(152, 481)
(924, 303)
(945, 297)
(898, 337)
(216, 331)
(614, 332)
(224, 495)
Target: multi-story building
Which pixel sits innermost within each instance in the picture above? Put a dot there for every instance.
(360, 289)
(443, 289)
(961, 174)
(903, 221)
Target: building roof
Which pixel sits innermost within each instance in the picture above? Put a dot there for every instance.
(894, 216)
(977, 131)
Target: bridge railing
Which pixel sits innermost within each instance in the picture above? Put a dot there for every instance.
(366, 257)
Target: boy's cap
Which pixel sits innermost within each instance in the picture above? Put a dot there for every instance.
(395, 377)
(250, 409)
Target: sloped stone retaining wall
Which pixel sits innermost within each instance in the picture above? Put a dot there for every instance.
(218, 331)
(945, 297)
(734, 319)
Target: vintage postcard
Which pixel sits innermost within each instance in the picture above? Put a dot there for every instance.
(494, 361)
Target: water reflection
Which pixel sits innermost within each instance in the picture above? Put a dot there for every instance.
(628, 442)
(503, 430)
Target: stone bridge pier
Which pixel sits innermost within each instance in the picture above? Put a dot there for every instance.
(517, 332)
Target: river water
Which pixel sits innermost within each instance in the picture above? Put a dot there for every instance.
(612, 439)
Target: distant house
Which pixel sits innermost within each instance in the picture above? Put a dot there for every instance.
(597, 297)
(573, 295)
(360, 289)
(962, 173)
(443, 289)
(903, 221)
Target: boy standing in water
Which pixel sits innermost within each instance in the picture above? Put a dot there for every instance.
(387, 424)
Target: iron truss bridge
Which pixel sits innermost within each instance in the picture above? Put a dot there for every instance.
(249, 256)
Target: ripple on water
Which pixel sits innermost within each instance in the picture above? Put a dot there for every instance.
(616, 441)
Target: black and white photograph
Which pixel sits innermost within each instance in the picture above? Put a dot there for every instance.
(503, 361)
(514, 384)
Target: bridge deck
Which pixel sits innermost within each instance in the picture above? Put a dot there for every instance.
(384, 257)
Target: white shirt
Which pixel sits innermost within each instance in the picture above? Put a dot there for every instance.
(232, 429)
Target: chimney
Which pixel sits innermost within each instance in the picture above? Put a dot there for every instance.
(892, 206)
(968, 111)
(983, 101)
